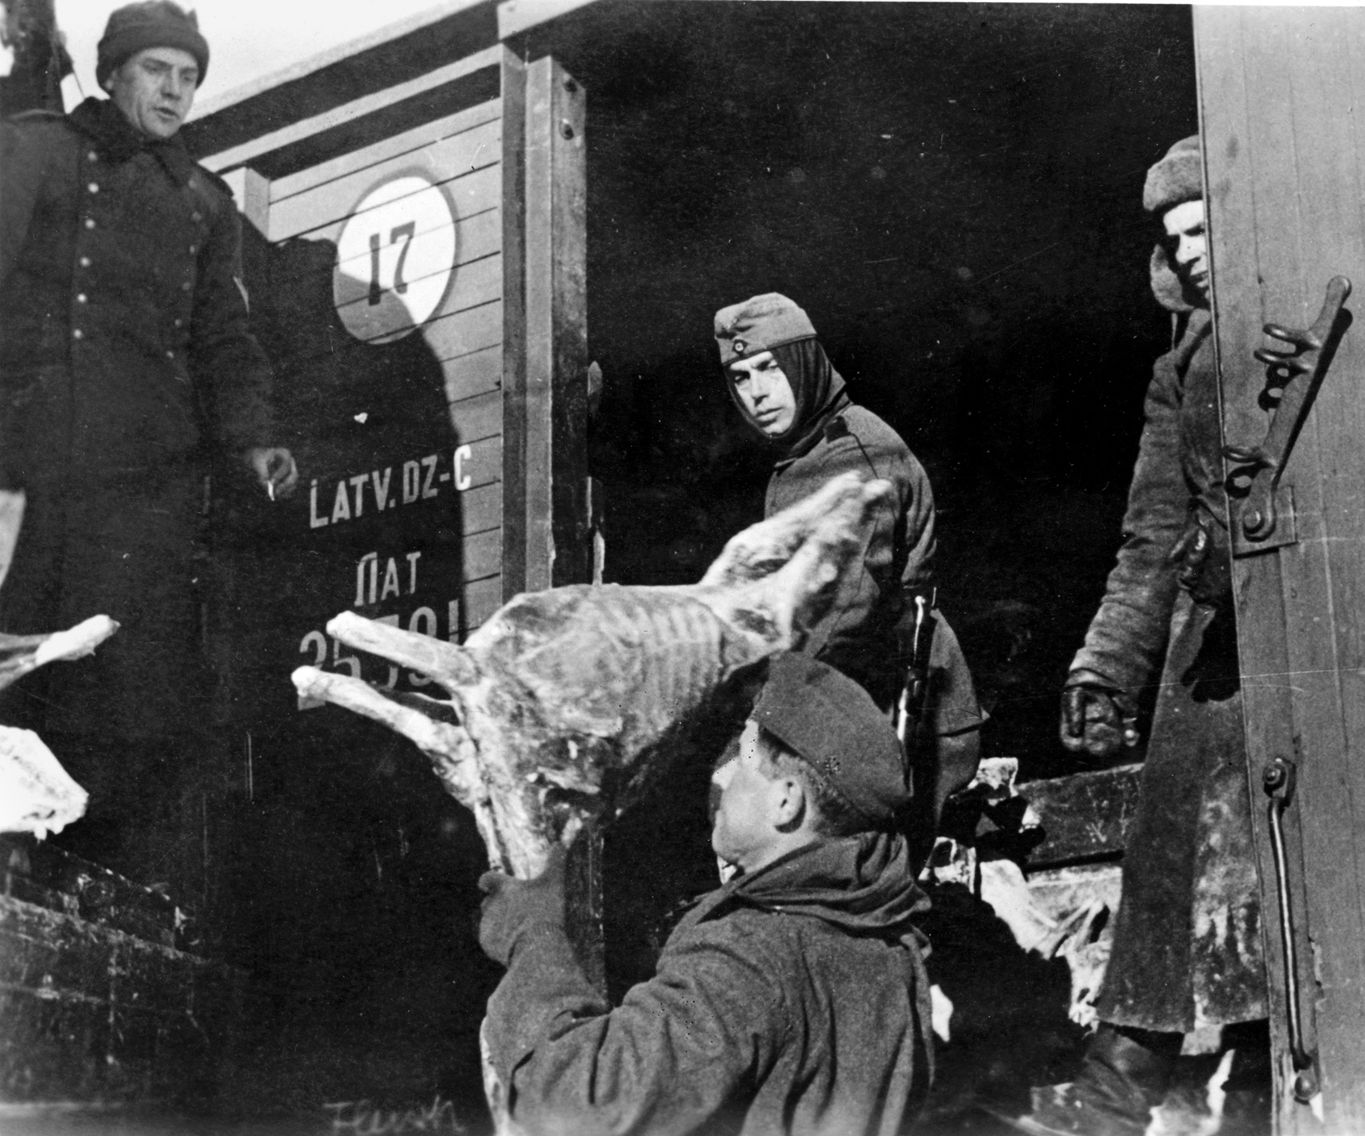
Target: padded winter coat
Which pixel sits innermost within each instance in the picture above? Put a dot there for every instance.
(789, 1002)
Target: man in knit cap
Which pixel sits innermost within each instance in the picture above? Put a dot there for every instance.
(881, 619)
(791, 999)
(125, 362)
(1187, 939)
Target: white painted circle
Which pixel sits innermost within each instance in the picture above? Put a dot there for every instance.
(395, 257)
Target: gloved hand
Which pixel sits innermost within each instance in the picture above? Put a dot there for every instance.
(512, 908)
(1097, 717)
(1205, 569)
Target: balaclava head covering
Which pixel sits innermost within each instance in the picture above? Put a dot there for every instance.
(772, 322)
(1178, 177)
(150, 23)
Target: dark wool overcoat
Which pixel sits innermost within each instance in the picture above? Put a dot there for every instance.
(124, 356)
(1187, 940)
(789, 1002)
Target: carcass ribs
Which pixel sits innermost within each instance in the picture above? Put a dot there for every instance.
(567, 702)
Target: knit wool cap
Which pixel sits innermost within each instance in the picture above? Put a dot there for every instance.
(150, 23)
(832, 724)
(1177, 178)
(759, 324)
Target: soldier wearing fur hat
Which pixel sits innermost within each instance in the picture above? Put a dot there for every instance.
(882, 616)
(125, 361)
(1187, 940)
(791, 999)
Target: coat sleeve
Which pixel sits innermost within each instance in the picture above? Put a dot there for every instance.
(1128, 634)
(676, 1055)
(228, 364)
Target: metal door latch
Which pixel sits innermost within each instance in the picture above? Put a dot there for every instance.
(1278, 782)
(1296, 373)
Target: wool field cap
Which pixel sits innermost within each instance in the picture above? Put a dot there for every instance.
(759, 324)
(150, 23)
(1177, 178)
(831, 723)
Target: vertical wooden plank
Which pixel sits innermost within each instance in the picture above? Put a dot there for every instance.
(1326, 162)
(556, 307)
(1284, 167)
(519, 415)
(254, 198)
(1227, 130)
(556, 381)
(545, 383)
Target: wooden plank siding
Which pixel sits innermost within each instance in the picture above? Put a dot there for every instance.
(408, 142)
(448, 161)
(1285, 157)
(299, 129)
(460, 154)
(474, 285)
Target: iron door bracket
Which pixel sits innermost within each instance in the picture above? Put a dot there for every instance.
(1265, 519)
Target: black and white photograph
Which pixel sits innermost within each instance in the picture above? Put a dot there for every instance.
(681, 568)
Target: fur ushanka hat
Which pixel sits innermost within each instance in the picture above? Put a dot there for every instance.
(1178, 177)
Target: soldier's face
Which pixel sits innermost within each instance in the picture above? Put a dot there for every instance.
(741, 829)
(765, 393)
(1185, 234)
(155, 89)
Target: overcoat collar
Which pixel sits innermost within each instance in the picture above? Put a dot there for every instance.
(102, 121)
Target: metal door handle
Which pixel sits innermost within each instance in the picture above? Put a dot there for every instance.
(1297, 373)
(1278, 782)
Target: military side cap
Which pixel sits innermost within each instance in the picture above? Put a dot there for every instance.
(759, 324)
(831, 723)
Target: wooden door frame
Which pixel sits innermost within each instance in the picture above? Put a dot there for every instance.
(1283, 158)
(546, 517)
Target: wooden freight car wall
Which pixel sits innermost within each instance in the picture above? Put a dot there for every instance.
(416, 263)
(394, 412)
(374, 259)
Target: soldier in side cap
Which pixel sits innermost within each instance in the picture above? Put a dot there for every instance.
(126, 361)
(791, 999)
(1187, 937)
(882, 628)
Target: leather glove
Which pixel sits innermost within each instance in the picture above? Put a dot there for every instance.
(1097, 717)
(512, 908)
(1205, 570)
